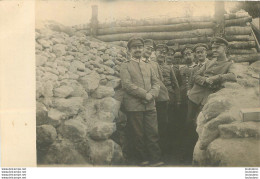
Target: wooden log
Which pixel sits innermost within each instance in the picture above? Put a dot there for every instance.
(157, 35)
(238, 22)
(242, 44)
(157, 28)
(154, 21)
(239, 38)
(245, 58)
(241, 51)
(236, 15)
(119, 43)
(235, 30)
(189, 40)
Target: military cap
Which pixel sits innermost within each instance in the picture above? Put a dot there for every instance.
(219, 40)
(135, 40)
(200, 45)
(185, 48)
(162, 46)
(149, 42)
(171, 48)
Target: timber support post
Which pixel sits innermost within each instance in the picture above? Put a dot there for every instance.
(94, 21)
(219, 17)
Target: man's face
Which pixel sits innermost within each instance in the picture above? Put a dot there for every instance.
(170, 53)
(161, 54)
(147, 51)
(169, 60)
(136, 50)
(218, 50)
(188, 56)
(200, 54)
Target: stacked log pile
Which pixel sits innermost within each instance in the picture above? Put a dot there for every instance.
(239, 33)
(225, 139)
(77, 80)
(180, 32)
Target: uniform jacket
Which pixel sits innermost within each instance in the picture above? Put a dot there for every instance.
(195, 69)
(163, 93)
(170, 82)
(200, 91)
(186, 83)
(137, 79)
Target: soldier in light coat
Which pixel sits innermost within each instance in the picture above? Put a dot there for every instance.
(141, 87)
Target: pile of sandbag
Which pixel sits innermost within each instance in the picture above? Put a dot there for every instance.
(77, 78)
(225, 139)
(239, 34)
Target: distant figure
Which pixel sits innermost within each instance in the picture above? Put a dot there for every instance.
(141, 87)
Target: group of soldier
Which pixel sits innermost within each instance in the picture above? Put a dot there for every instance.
(163, 97)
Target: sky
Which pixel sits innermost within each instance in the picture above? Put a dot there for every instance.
(79, 12)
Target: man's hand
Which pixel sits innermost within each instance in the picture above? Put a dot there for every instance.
(215, 78)
(209, 81)
(148, 97)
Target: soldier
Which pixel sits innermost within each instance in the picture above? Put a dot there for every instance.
(141, 87)
(171, 84)
(186, 71)
(210, 76)
(200, 51)
(163, 97)
(208, 79)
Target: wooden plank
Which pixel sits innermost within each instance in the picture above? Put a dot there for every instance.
(250, 114)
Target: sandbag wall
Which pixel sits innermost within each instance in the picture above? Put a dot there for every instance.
(77, 100)
(225, 138)
(238, 32)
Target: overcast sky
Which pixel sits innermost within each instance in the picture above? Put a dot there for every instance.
(79, 12)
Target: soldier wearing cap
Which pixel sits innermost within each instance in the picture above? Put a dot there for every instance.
(172, 86)
(208, 79)
(141, 87)
(200, 52)
(186, 71)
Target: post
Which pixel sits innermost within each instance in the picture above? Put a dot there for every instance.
(219, 17)
(94, 21)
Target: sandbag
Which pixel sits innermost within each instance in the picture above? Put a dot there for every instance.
(242, 44)
(234, 30)
(239, 38)
(189, 40)
(238, 22)
(157, 35)
(242, 51)
(156, 28)
(245, 58)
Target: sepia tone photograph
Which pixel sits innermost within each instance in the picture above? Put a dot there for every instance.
(147, 83)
